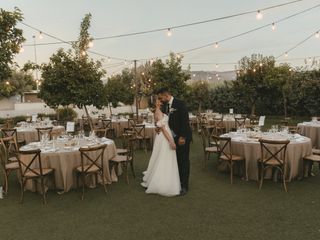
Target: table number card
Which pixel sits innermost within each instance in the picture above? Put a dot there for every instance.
(261, 120)
(34, 117)
(231, 111)
(70, 127)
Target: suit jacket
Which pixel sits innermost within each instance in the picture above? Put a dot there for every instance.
(179, 120)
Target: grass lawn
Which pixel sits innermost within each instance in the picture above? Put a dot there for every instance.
(213, 209)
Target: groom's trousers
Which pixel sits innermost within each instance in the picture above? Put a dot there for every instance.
(183, 163)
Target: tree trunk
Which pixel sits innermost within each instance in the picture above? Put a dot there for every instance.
(284, 104)
(253, 108)
(110, 108)
(199, 108)
(88, 116)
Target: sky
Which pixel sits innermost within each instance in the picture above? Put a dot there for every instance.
(62, 18)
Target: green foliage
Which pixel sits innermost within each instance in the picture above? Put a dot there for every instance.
(198, 96)
(171, 75)
(118, 89)
(66, 114)
(10, 41)
(71, 77)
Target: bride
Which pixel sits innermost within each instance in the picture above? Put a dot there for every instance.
(162, 175)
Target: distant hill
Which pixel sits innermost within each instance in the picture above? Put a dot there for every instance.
(213, 76)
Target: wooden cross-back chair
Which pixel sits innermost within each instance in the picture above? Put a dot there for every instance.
(100, 132)
(132, 122)
(125, 160)
(219, 125)
(140, 135)
(9, 123)
(240, 122)
(33, 170)
(224, 147)
(273, 155)
(8, 132)
(7, 146)
(44, 130)
(107, 123)
(207, 149)
(91, 165)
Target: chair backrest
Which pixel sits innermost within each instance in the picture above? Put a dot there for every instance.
(140, 130)
(9, 132)
(218, 122)
(92, 161)
(261, 121)
(240, 122)
(43, 131)
(27, 165)
(204, 137)
(9, 123)
(223, 145)
(132, 122)
(3, 155)
(107, 123)
(10, 145)
(273, 150)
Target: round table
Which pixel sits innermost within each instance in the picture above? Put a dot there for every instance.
(30, 134)
(64, 156)
(230, 123)
(312, 131)
(249, 148)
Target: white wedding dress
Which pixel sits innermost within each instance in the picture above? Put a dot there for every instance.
(162, 175)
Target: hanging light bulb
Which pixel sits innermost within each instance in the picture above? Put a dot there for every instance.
(21, 50)
(217, 65)
(40, 35)
(310, 59)
(216, 45)
(7, 83)
(178, 55)
(169, 32)
(259, 15)
(254, 70)
(142, 73)
(273, 26)
(125, 62)
(109, 60)
(317, 35)
(83, 53)
(90, 44)
(286, 54)
(260, 64)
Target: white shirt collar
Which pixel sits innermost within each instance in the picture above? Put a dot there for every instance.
(171, 101)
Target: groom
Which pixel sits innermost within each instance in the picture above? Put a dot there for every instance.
(181, 131)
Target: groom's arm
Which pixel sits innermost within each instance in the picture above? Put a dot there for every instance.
(184, 120)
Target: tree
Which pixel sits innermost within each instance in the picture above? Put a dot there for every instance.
(119, 89)
(71, 77)
(170, 75)
(198, 95)
(252, 77)
(10, 42)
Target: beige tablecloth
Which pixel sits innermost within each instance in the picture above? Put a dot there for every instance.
(229, 124)
(65, 160)
(31, 135)
(311, 131)
(250, 149)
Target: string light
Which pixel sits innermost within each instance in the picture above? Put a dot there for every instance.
(83, 53)
(125, 62)
(169, 32)
(259, 15)
(216, 45)
(217, 65)
(260, 64)
(7, 83)
(286, 54)
(317, 34)
(254, 70)
(273, 27)
(90, 45)
(40, 35)
(21, 50)
(109, 60)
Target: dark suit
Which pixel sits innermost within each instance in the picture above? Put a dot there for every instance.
(180, 126)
